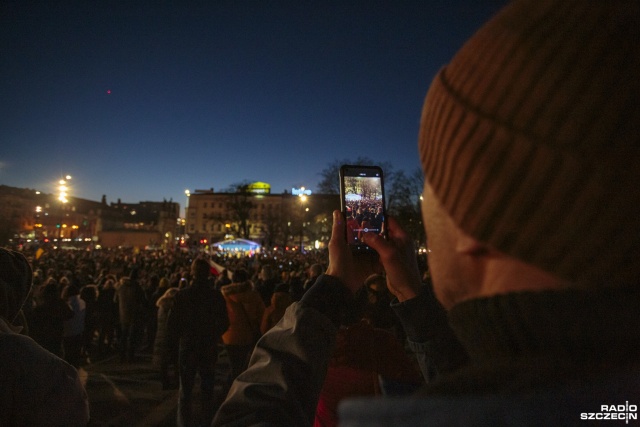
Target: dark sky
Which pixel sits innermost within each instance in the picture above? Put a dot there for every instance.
(140, 100)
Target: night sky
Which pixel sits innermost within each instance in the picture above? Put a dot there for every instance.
(140, 100)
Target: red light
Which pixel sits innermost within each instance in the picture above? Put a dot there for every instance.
(108, 91)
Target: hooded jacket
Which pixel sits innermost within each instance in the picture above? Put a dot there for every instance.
(245, 308)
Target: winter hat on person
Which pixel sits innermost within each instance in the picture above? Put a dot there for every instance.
(15, 283)
(530, 137)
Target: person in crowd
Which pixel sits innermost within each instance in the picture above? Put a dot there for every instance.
(315, 270)
(223, 279)
(266, 283)
(131, 305)
(365, 226)
(38, 388)
(296, 284)
(73, 328)
(377, 309)
(280, 300)
(151, 321)
(89, 294)
(62, 283)
(353, 228)
(165, 349)
(163, 286)
(47, 317)
(366, 361)
(245, 309)
(159, 289)
(198, 320)
(377, 220)
(107, 313)
(531, 205)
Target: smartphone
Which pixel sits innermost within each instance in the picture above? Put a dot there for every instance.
(362, 201)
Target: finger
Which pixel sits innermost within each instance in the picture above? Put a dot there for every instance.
(338, 231)
(371, 239)
(394, 230)
(377, 242)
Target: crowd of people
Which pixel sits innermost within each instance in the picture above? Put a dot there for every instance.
(363, 217)
(89, 305)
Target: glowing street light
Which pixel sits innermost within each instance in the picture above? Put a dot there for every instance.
(188, 194)
(303, 199)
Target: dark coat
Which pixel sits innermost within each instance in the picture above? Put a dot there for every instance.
(165, 345)
(199, 315)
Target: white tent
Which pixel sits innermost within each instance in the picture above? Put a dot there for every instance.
(236, 245)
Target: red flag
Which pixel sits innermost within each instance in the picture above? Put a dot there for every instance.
(216, 269)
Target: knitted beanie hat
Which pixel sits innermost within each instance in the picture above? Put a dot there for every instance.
(15, 283)
(530, 137)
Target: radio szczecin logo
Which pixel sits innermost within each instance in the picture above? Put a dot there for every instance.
(624, 412)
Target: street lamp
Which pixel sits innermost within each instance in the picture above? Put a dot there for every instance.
(303, 200)
(188, 194)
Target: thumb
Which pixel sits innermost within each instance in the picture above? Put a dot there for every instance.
(338, 233)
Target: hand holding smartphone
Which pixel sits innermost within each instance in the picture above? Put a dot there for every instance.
(362, 202)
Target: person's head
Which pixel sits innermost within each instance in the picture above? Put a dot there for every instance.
(48, 294)
(70, 290)
(285, 275)
(240, 275)
(200, 269)
(530, 145)
(315, 270)
(376, 287)
(89, 293)
(169, 294)
(15, 283)
(124, 281)
(266, 272)
(376, 283)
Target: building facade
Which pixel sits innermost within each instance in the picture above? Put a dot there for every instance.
(273, 220)
(30, 217)
(289, 220)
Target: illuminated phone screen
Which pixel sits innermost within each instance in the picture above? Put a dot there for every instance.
(362, 202)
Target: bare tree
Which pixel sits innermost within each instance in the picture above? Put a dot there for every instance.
(275, 228)
(403, 202)
(239, 208)
(329, 184)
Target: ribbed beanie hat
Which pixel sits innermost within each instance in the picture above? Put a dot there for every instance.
(530, 137)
